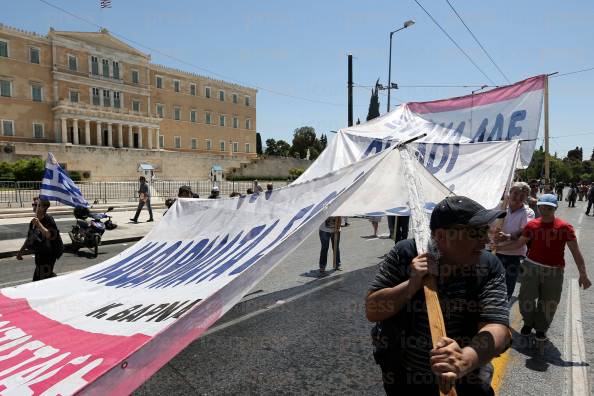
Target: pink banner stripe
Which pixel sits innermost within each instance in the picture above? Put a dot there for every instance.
(493, 96)
(64, 338)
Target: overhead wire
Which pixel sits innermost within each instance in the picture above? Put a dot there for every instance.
(231, 79)
(455, 43)
(573, 72)
(478, 42)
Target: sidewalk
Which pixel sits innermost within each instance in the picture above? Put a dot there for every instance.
(125, 232)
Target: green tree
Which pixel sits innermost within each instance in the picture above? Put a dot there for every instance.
(258, 143)
(31, 169)
(323, 142)
(271, 147)
(304, 138)
(6, 171)
(374, 104)
(283, 148)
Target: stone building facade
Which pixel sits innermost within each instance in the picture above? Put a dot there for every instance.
(91, 89)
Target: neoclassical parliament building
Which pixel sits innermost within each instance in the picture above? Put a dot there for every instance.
(91, 89)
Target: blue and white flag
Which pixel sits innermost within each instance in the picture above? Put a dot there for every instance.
(58, 186)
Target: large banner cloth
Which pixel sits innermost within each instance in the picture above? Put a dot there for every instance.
(108, 328)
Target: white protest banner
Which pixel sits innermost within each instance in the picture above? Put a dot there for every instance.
(108, 328)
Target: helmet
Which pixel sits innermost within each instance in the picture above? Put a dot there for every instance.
(80, 212)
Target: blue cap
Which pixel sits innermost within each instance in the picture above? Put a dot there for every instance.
(547, 199)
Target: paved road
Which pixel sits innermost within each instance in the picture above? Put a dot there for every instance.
(296, 333)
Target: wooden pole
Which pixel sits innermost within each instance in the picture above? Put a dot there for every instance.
(547, 164)
(337, 221)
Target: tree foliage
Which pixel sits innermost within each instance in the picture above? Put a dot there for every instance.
(278, 148)
(571, 169)
(258, 143)
(23, 170)
(374, 104)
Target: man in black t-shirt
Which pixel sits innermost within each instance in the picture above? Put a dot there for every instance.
(473, 298)
(42, 231)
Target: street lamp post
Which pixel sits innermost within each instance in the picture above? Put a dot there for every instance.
(408, 23)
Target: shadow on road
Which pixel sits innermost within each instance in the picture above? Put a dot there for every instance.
(535, 360)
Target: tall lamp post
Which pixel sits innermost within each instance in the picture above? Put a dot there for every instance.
(407, 24)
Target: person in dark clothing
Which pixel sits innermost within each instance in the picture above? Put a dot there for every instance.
(473, 297)
(144, 197)
(42, 231)
(214, 193)
(559, 190)
(590, 198)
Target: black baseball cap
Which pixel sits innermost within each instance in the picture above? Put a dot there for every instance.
(460, 210)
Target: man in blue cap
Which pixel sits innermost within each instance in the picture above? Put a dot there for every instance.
(542, 271)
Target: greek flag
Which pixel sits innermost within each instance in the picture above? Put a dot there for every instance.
(58, 186)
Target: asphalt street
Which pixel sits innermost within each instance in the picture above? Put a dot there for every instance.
(296, 333)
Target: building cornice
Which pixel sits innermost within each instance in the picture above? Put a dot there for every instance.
(96, 113)
(166, 69)
(100, 83)
(23, 33)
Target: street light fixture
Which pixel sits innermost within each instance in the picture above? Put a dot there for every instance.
(407, 24)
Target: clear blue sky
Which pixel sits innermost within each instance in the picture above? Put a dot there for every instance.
(299, 48)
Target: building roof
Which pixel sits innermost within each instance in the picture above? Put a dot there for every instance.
(101, 38)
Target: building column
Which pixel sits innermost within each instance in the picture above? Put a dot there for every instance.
(139, 137)
(88, 132)
(64, 130)
(99, 137)
(149, 134)
(158, 139)
(109, 135)
(120, 135)
(130, 136)
(75, 131)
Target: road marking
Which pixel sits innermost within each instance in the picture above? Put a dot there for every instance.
(21, 281)
(279, 303)
(500, 362)
(575, 351)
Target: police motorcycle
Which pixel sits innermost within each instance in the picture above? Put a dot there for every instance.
(88, 233)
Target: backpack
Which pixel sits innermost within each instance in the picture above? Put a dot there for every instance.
(389, 337)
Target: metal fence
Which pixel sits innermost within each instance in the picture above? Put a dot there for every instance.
(21, 193)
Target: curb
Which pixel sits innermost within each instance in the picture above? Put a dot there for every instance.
(69, 245)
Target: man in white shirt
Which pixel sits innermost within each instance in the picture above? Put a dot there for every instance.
(518, 215)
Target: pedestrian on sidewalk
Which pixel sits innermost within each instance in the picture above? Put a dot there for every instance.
(472, 293)
(542, 271)
(590, 198)
(572, 195)
(326, 232)
(533, 198)
(43, 238)
(518, 215)
(144, 197)
(374, 220)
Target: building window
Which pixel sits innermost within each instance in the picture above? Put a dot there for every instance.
(74, 96)
(159, 82)
(248, 124)
(247, 147)
(4, 48)
(161, 141)
(34, 55)
(193, 116)
(194, 144)
(106, 98)
(222, 145)
(176, 85)
(117, 103)
(5, 88)
(135, 77)
(235, 147)
(105, 67)
(160, 110)
(177, 141)
(235, 122)
(116, 70)
(94, 65)
(222, 96)
(176, 113)
(208, 144)
(136, 105)
(222, 120)
(207, 92)
(207, 118)
(247, 100)
(37, 130)
(193, 89)
(72, 63)
(36, 93)
(96, 98)
(8, 127)
(234, 98)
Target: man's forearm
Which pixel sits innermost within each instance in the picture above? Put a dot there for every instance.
(385, 303)
(491, 340)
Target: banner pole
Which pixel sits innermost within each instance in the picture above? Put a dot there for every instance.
(337, 222)
(547, 164)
